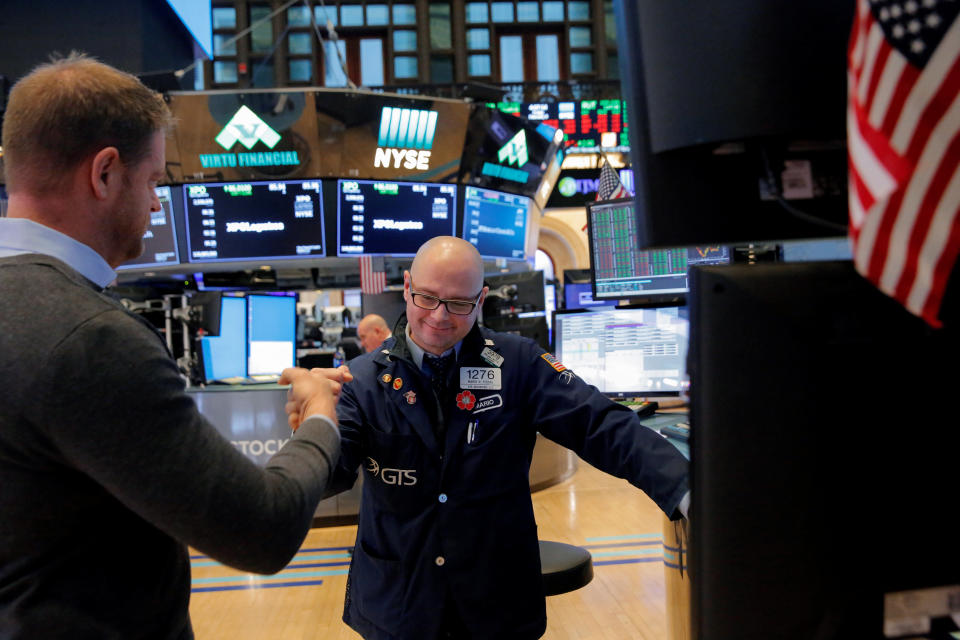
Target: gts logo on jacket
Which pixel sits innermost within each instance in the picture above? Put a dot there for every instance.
(403, 477)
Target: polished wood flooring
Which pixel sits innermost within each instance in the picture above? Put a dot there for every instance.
(617, 523)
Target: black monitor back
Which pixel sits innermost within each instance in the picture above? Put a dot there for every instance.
(823, 453)
(721, 97)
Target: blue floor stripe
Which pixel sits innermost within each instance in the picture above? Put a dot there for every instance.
(630, 537)
(201, 556)
(292, 574)
(214, 563)
(628, 561)
(270, 585)
(307, 565)
(601, 554)
(621, 544)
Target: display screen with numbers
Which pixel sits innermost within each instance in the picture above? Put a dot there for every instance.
(377, 217)
(496, 222)
(587, 125)
(243, 221)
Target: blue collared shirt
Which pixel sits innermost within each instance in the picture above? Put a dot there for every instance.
(416, 352)
(19, 236)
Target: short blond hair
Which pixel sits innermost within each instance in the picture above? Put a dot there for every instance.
(69, 108)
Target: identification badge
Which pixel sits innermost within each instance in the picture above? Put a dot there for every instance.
(480, 378)
(491, 356)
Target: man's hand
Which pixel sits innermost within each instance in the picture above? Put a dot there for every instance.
(313, 392)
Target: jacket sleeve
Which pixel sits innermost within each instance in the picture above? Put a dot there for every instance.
(112, 405)
(351, 418)
(609, 436)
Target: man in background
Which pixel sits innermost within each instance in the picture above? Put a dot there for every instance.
(372, 331)
(107, 469)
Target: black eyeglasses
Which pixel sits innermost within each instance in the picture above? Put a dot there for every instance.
(456, 307)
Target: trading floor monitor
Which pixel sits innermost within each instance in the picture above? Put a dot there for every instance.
(823, 454)
(625, 352)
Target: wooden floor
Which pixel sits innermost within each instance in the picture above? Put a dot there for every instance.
(617, 523)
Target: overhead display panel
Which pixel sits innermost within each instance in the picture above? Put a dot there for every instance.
(510, 153)
(378, 135)
(315, 133)
(224, 136)
(392, 218)
(244, 221)
(588, 125)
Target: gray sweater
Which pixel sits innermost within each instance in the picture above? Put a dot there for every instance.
(108, 471)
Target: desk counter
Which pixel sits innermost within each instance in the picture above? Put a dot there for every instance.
(251, 417)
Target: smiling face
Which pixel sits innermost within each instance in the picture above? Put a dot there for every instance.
(448, 268)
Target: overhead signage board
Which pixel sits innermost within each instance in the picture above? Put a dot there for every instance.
(228, 136)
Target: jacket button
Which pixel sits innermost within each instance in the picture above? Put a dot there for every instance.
(439, 561)
(443, 497)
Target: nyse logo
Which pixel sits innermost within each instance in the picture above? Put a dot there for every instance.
(405, 139)
(401, 477)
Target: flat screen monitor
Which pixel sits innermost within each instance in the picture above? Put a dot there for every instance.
(160, 247)
(271, 333)
(805, 483)
(737, 118)
(514, 293)
(626, 352)
(392, 218)
(622, 269)
(225, 356)
(254, 221)
(496, 222)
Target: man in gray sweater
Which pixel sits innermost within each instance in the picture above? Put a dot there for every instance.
(107, 470)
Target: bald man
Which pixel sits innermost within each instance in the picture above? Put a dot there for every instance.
(372, 331)
(443, 420)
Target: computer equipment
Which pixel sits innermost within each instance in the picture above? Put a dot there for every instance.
(271, 335)
(496, 222)
(253, 222)
(805, 483)
(737, 119)
(512, 293)
(622, 269)
(392, 218)
(224, 356)
(625, 352)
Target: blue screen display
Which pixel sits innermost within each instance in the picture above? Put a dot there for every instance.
(496, 222)
(225, 356)
(272, 333)
(579, 295)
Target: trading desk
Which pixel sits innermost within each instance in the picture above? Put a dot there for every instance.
(252, 418)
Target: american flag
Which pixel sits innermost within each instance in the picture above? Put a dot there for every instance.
(373, 279)
(903, 134)
(609, 186)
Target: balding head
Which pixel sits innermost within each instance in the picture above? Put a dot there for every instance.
(372, 330)
(456, 252)
(447, 268)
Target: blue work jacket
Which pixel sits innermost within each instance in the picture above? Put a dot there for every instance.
(454, 519)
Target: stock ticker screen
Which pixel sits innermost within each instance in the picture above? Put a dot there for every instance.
(587, 124)
(621, 269)
(496, 222)
(376, 217)
(240, 221)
